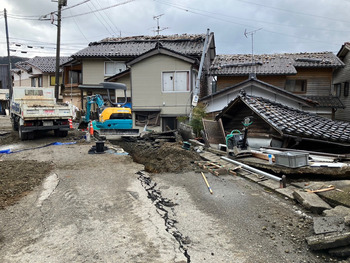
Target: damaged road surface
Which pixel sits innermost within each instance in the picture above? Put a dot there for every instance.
(104, 208)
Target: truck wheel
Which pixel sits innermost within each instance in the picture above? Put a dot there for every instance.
(14, 124)
(22, 135)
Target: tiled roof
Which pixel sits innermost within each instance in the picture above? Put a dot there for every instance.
(327, 101)
(290, 121)
(45, 64)
(191, 45)
(23, 65)
(272, 64)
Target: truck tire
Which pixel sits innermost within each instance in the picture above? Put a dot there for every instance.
(14, 121)
(22, 135)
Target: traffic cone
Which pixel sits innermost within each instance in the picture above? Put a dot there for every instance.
(70, 124)
(91, 128)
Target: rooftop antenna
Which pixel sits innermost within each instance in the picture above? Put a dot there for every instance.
(251, 33)
(158, 27)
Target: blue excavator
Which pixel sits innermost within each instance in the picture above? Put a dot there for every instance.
(114, 120)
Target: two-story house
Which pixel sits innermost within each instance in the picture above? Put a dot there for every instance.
(306, 75)
(159, 72)
(341, 79)
(37, 72)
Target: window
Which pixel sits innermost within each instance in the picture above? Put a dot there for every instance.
(112, 67)
(33, 82)
(52, 80)
(74, 77)
(296, 85)
(337, 90)
(346, 89)
(40, 82)
(176, 81)
(149, 118)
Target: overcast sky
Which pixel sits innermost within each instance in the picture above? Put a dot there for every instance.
(277, 26)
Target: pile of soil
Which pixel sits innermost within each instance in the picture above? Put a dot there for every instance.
(166, 157)
(18, 177)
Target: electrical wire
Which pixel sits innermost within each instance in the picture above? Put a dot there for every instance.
(104, 8)
(205, 13)
(103, 21)
(293, 12)
(108, 17)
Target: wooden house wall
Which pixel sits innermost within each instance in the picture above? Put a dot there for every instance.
(233, 119)
(340, 76)
(318, 80)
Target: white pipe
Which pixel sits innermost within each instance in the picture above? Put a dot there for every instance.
(270, 176)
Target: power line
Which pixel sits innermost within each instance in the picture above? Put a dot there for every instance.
(104, 22)
(104, 8)
(291, 11)
(205, 13)
(108, 17)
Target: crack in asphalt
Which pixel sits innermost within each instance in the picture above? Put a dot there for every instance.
(160, 203)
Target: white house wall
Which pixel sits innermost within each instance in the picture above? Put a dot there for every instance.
(146, 80)
(93, 71)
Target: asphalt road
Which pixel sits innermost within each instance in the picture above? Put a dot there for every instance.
(100, 208)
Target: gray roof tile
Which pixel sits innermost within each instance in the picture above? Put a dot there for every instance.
(45, 64)
(191, 45)
(272, 64)
(303, 124)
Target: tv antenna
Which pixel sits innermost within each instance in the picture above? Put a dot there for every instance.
(158, 27)
(251, 33)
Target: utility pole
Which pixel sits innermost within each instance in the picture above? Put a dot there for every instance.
(58, 45)
(9, 84)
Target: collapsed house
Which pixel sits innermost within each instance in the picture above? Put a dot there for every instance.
(286, 127)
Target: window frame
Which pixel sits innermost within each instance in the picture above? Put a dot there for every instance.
(346, 89)
(292, 88)
(121, 69)
(175, 77)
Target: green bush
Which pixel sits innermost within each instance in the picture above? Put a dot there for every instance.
(198, 113)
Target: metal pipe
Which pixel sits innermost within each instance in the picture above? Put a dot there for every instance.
(270, 176)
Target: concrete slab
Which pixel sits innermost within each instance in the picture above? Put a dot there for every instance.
(271, 184)
(324, 241)
(328, 224)
(340, 210)
(287, 192)
(311, 201)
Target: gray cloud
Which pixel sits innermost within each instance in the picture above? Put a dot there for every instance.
(287, 26)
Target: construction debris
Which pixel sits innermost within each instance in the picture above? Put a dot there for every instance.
(311, 201)
(206, 182)
(329, 188)
(323, 241)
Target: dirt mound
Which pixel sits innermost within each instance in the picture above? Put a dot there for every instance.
(161, 158)
(19, 177)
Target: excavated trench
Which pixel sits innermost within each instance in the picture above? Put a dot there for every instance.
(162, 205)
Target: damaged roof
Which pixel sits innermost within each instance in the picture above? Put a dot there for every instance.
(191, 45)
(288, 121)
(272, 64)
(44, 64)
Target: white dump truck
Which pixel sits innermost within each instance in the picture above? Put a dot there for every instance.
(35, 109)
